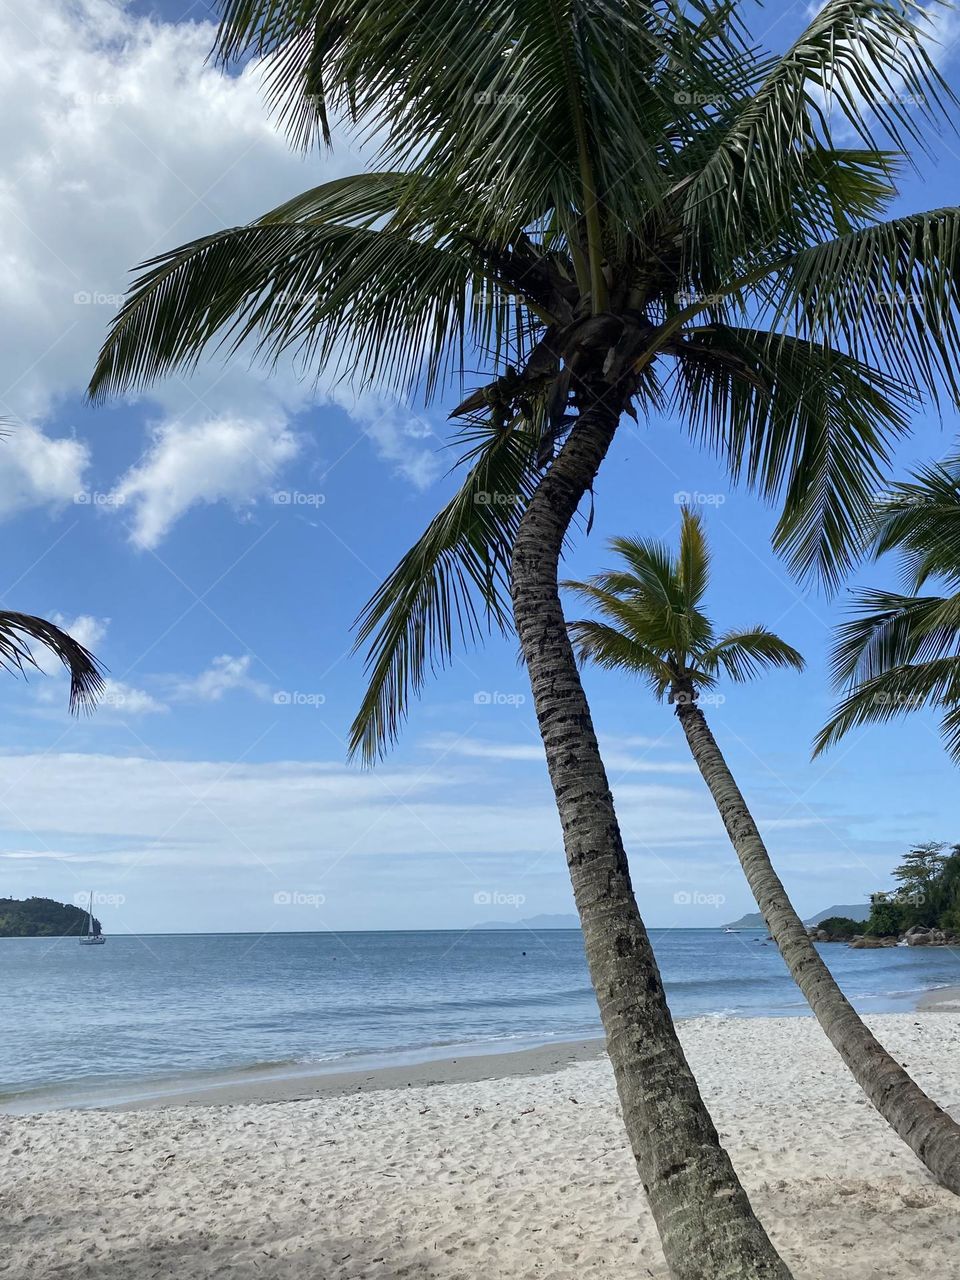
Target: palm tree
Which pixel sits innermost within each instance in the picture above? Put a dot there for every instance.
(17, 630)
(900, 652)
(582, 196)
(654, 627)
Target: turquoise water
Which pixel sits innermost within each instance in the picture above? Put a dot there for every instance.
(161, 1006)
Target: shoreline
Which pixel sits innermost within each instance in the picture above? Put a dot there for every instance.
(301, 1082)
(311, 1084)
(940, 1000)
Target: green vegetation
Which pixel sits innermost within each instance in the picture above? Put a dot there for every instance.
(928, 897)
(39, 918)
(841, 926)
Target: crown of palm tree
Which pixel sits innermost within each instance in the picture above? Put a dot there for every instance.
(901, 652)
(561, 184)
(654, 625)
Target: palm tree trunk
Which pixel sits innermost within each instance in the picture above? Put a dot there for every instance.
(706, 1224)
(929, 1132)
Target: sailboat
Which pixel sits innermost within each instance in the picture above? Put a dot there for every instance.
(90, 934)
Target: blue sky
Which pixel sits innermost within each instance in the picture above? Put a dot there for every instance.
(215, 540)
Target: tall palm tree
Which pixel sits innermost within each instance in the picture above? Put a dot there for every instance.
(654, 626)
(586, 196)
(900, 652)
(17, 630)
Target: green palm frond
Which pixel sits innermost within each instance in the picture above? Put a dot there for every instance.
(921, 519)
(654, 569)
(888, 294)
(612, 650)
(17, 630)
(895, 692)
(382, 305)
(742, 655)
(803, 423)
(693, 562)
(862, 61)
(452, 584)
(888, 631)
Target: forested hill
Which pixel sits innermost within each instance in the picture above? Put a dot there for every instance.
(38, 918)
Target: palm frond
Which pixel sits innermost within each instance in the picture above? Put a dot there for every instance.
(889, 631)
(449, 587)
(888, 294)
(693, 563)
(764, 183)
(342, 294)
(742, 655)
(921, 519)
(800, 422)
(893, 693)
(17, 630)
(606, 647)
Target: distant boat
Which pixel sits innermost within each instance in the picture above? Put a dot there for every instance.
(728, 930)
(90, 935)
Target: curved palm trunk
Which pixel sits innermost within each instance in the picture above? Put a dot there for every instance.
(924, 1127)
(706, 1224)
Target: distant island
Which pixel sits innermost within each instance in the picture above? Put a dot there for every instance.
(754, 920)
(39, 918)
(533, 922)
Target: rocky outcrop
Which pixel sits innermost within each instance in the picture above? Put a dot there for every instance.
(862, 943)
(919, 936)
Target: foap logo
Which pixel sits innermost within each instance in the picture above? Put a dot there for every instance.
(694, 898)
(495, 498)
(294, 498)
(296, 898)
(694, 498)
(493, 698)
(496, 898)
(100, 99)
(490, 98)
(83, 899)
(295, 698)
(88, 298)
(93, 498)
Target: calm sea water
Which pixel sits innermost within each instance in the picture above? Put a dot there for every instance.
(88, 1021)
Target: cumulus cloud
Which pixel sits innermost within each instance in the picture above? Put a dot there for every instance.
(126, 700)
(224, 675)
(224, 459)
(123, 140)
(37, 470)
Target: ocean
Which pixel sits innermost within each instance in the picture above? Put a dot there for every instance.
(82, 1025)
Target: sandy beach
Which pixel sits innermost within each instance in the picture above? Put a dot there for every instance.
(523, 1175)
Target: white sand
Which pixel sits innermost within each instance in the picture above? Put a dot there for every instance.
(507, 1178)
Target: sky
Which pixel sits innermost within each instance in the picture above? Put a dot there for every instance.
(213, 541)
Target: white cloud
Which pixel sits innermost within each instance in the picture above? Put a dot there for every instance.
(36, 470)
(225, 674)
(224, 459)
(127, 701)
(122, 140)
(615, 759)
